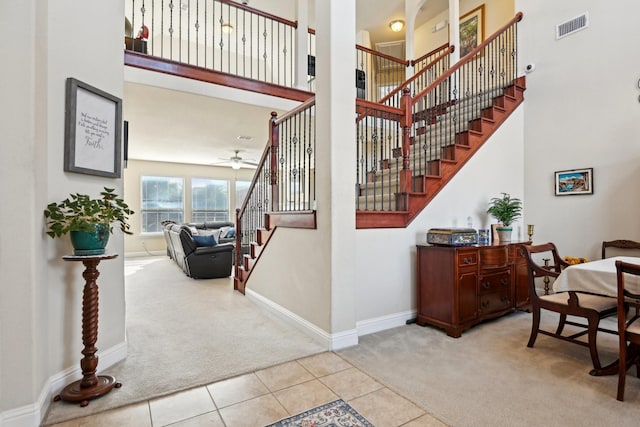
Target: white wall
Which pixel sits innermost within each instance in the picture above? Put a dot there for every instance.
(41, 295)
(21, 248)
(582, 111)
(311, 272)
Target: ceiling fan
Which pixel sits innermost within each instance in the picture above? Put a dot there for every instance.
(236, 162)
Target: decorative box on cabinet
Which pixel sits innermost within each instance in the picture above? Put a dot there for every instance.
(459, 287)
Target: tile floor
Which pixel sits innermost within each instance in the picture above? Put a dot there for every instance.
(265, 396)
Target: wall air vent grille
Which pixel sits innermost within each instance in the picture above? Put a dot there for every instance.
(573, 25)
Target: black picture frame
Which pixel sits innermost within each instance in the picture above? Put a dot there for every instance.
(93, 130)
(574, 182)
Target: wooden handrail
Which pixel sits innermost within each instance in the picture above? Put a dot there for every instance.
(417, 75)
(428, 54)
(362, 103)
(306, 104)
(265, 153)
(383, 55)
(467, 58)
(293, 24)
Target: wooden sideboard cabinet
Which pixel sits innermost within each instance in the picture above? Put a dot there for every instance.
(459, 287)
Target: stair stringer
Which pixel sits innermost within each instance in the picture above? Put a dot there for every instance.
(444, 169)
(272, 220)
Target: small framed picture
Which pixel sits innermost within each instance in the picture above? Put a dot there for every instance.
(574, 182)
(93, 130)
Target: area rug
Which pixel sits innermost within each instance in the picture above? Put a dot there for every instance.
(336, 413)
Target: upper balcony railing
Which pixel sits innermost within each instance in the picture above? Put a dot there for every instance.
(236, 40)
(218, 35)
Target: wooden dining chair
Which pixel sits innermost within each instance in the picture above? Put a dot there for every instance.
(624, 246)
(570, 303)
(628, 329)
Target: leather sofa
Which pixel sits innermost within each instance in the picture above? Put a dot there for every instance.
(198, 262)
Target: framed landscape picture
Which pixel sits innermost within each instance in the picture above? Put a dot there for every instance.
(471, 30)
(573, 182)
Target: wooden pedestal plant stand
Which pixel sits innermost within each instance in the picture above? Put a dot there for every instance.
(91, 386)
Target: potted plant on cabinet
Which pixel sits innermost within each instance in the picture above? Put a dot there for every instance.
(89, 221)
(505, 209)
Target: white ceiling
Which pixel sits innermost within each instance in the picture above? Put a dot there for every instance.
(175, 126)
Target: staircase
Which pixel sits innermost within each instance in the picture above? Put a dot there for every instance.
(405, 155)
(435, 162)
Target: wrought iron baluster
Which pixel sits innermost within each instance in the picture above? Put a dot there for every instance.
(264, 54)
(197, 26)
(188, 30)
(151, 39)
(171, 29)
(229, 32)
(235, 32)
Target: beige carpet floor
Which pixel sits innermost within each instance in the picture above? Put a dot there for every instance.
(183, 333)
(489, 377)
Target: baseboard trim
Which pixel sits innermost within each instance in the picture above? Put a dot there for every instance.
(318, 334)
(31, 415)
(377, 324)
(330, 341)
(145, 254)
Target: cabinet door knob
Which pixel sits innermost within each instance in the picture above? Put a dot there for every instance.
(468, 260)
(504, 282)
(486, 285)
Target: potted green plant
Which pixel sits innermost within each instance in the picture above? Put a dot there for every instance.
(89, 221)
(505, 209)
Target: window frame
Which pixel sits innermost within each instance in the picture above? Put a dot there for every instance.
(143, 211)
(195, 211)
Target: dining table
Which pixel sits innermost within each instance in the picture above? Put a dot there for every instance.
(597, 277)
(600, 277)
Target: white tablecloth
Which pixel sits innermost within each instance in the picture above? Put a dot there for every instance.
(598, 277)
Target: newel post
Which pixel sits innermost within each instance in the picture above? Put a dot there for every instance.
(274, 135)
(406, 121)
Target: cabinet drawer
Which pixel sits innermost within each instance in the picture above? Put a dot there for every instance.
(467, 259)
(494, 302)
(494, 256)
(497, 281)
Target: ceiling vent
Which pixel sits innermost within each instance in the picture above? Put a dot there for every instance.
(573, 25)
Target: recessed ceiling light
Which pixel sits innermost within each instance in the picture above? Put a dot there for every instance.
(245, 138)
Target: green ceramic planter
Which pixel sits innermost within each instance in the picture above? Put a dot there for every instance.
(90, 242)
(504, 234)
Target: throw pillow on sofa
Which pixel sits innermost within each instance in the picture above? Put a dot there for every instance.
(231, 233)
(208, 240)
(223, 232)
